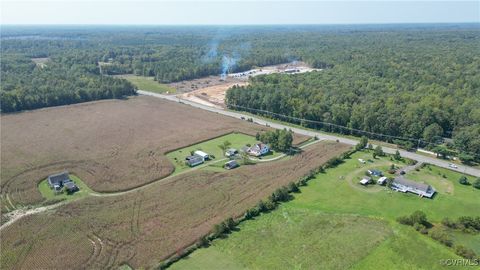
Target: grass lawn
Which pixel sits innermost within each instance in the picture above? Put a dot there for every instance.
(148, 84)
(50, 195)
(312, 231)
(237, 140)
(294, 239)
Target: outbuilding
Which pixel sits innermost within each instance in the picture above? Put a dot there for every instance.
(194, 160)
(365, 180)
(382, 180)
(231, 165)
(202, 154)
(231, 152)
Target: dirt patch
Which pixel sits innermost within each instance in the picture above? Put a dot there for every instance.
(111, 145)
(212, 95)
(142, 228)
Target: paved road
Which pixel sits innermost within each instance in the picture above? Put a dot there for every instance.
(420, 158)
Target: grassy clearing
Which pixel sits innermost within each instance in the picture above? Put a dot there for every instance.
(238, 140)
(294, 239)
(148, 84)
(50, 195)
(323, 210)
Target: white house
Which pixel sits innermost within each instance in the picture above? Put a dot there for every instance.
(202, 154)
(404, 185)
(259, 149)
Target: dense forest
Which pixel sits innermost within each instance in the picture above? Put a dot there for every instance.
(417, 87)
(405, 81)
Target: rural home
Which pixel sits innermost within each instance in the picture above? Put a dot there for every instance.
(375, 172)
(404, 185)
(58, 181)
(194, 160)
(258, 149)
(202, 154)
(231, 152)
(231, 164)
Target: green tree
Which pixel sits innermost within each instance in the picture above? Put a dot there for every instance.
(463, 180)
(397, 155)
(433, 133)
(224, 146)
(378, 151)
(362, 144)
(476, 184)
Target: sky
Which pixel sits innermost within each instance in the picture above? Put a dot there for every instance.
(228, 12)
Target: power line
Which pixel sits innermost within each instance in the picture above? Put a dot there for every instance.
(415, 140)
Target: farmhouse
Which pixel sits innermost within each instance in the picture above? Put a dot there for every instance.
(231, 164)
(258, 149)
(202, 154)
(365, 180)
(57, 181)
(194, 160)
(375, 172)
(404, 185)
(231, 152)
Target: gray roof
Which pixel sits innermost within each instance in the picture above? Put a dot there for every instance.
(70, 185)
(410, 183)
(58, 178)
(194, 159)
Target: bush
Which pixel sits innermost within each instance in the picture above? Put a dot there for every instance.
(420, 228)
(292, 187)
(219, 229)
(203, 242)
(417, 217)
(465, 252)
(251, 213)
(463, 180)
(441, 236)
(476, 184)
(405, 220)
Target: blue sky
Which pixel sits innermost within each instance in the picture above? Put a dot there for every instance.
(236, 12)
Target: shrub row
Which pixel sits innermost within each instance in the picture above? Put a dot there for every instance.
(418, 220)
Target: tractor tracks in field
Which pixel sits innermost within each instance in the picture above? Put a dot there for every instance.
(17, 214)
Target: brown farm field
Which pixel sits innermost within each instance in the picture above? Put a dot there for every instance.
(111, 145)
(142, 228)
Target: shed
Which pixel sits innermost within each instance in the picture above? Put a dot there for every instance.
(202, 154)
(231, 152)
(231, 164)
(366, 180)
(193, 161)
(375, 172)
(382, 180)
(71, 187)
